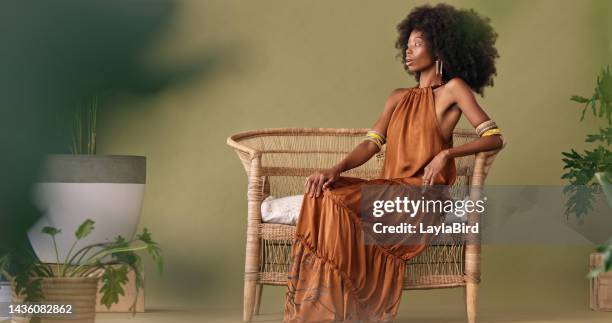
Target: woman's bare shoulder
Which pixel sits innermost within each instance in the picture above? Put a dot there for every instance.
(459, 88)
(394, 97)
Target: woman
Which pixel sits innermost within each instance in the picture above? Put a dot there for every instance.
(334, 275)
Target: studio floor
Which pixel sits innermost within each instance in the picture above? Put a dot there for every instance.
(420, 316)
(423, 306)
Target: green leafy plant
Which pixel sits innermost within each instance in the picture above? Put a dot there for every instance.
(111, 261)
(84, 128)
(582, 167)
(586, 172)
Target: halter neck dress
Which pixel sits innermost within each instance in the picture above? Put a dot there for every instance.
(334, 276)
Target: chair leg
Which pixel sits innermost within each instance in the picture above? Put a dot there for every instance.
(258, 292)
(471, 298)
(253, 240)
(249, 299)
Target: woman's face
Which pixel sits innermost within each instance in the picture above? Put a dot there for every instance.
(417, 55)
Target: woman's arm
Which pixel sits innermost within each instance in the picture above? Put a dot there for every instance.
(464, 97)
(366, 149)
(316, 182)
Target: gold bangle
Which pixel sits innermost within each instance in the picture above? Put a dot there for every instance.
(377, 138)
(371, 134)
(376, 134)
(490, 132)
(374, 131)
(483, 129)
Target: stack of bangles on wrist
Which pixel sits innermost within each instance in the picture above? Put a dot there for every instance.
(376, 137)
(487, 128)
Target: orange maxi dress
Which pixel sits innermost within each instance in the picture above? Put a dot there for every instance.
(335, 276)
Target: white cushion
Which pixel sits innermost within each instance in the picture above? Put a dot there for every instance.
(286, 210)
(283, 210)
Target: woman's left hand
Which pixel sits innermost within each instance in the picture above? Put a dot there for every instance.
(434, 167)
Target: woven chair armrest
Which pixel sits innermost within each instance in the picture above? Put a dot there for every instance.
(234, 140)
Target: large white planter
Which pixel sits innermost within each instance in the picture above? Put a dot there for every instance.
(107, 189)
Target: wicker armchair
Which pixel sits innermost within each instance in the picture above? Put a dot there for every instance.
(276, 162)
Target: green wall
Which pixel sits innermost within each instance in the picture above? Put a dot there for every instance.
(332, 64)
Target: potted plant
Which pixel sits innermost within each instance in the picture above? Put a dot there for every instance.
(109, 189)
(72, 282)
(589, 173)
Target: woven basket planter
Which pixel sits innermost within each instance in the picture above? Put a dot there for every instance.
(600, 287)
(80, 293)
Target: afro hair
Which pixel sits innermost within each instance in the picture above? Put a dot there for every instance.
(464, 40)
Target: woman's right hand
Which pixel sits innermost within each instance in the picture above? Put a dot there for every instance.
(316, 182)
